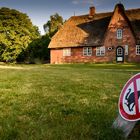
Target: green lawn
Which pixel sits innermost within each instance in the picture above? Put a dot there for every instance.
(62, 102)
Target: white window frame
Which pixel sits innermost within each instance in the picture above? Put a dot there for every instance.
(119, 33)
(120, 51)
(87, 51)
(100, 51)
(137, 49)
(126, 49)
(66, 51)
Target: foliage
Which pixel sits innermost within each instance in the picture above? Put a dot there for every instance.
(38, 51)
(16, 33)
(52, 26)
(62, 102)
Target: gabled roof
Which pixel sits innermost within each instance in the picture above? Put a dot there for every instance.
(86, 31)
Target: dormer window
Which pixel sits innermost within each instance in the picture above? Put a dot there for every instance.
(119, 33)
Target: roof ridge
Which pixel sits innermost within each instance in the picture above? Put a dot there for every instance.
(127, 10)
(133, 9)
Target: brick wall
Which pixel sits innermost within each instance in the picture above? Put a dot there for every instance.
(77, 56)
(119, 21)
(56, 56)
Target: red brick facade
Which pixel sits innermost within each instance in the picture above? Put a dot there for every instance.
(77, 56)
(118, 21)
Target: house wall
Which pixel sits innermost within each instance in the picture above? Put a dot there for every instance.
(56, 56)
(119, 21)
(76, 56)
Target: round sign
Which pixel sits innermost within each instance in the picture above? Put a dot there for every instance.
(129, 101)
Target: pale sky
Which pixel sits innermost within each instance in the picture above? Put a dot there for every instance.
(39, 11)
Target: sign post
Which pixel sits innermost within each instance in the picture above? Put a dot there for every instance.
(125, 126)
(129, 106)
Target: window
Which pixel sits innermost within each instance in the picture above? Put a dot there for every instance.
(100, 51)
(119, 33)
(87, 51)
(126, 49)
(119, 51)
(67, 52)
(137, 49)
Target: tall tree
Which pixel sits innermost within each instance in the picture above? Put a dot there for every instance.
(52, 26)
(16, 33)
(38, 51)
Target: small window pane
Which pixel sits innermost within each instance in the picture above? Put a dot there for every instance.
(87, 51)
(119, 33)
(137, 49)
(67, 52)
(100, 51)
(119, 51)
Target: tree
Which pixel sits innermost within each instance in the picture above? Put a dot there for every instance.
(38, 51)
(16, 33)
(52, 26)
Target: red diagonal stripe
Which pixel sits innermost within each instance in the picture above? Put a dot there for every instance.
(136, 97)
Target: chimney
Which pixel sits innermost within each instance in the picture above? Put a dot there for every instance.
(91, 11)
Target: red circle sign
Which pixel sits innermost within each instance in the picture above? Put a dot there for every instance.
(129, 101)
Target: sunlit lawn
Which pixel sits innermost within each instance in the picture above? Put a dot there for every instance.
(62, 102)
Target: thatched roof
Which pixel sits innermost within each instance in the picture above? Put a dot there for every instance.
(86, 31)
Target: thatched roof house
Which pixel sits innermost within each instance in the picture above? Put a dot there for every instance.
(95, 30)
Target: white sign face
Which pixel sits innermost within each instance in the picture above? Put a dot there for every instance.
(138, 88)
(129, 102)
(119, 59)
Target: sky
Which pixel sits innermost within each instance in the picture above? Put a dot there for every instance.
(39, 11)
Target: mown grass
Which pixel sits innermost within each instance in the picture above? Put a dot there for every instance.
(62, 102)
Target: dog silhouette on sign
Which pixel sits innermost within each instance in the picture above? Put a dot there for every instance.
(130, 98)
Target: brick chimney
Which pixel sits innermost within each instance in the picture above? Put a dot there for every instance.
(91, 11)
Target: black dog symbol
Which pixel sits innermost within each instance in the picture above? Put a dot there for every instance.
(130, 98)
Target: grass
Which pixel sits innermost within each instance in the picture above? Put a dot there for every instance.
(62, 102)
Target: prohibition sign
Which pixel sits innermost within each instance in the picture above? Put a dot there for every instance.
(129, 101)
